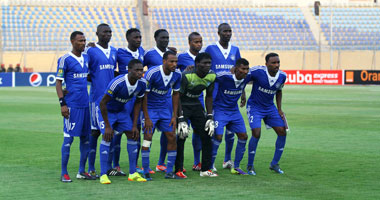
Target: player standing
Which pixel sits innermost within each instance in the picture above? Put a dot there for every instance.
(224, 56)
(153, 57)
(102, 65)
(115, 116)
(226, 110)
(185, 60)
(160, 80)
(268, 82)
(73, 69)
(124, 56)
(193, 83)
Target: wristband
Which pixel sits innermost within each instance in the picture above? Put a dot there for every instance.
(210, 116)
(62, 102)
(181, 119)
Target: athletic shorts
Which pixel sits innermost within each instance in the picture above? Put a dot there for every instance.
(161, 119)
(232, 120)
(270, 117)
(119, 121)
(94, 117)
(129, 106)
(78, 124)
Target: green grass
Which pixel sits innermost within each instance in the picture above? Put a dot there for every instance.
(332, 152)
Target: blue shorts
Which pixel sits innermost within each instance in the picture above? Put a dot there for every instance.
(161, 119)
(270, 117)
(129, 106)
(232, 120)
(78, 124)
(94, 115)
(119, 121)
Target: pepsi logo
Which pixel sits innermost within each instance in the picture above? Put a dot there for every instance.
(35, 79)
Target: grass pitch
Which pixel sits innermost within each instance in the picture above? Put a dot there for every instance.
(332, 152)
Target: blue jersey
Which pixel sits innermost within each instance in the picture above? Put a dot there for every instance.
(124, 55)
(264, 87)
(223, 59)
(102, 64)
(73, 70)
(185, 59)
(121, 91)
(159, 84)
(153, 57)
(229, 90)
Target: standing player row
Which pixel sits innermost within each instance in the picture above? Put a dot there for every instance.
(108, 112)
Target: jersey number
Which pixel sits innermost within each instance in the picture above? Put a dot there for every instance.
(251, 119)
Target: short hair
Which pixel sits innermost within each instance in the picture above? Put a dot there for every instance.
(101, 25)
(130, 31)
(159, 31)
(74, 34)
(241, 61)
(222, 24)
(269, 55)
(193, 34)
(202, 56)
(133, 62)
(167, 53)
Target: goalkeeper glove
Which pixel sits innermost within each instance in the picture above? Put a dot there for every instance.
(210, 126)
(183, 128)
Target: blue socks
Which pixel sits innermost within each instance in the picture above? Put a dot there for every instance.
(197, 147)
(163, 149)
(145, 160)
(65, 152)
(92, 153)
(252, 150)
(215, 147)
(105, 156)
(132, 153)
(229, 139)
(239, 152)
(171, 160)
(280, 144)
(116, 149)
(84, 148)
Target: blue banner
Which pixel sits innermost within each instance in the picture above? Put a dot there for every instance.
(6, 79)
(35, 79)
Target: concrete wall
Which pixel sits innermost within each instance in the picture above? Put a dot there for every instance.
(47, 61)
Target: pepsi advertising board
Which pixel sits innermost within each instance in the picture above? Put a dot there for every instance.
(6, 79)
(35, 79)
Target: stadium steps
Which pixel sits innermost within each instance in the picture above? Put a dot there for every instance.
(314, 26)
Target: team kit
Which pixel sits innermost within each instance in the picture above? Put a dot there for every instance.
(197, 89)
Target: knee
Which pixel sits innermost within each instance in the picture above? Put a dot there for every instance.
(148, 137)
(219, 137)
(256, 135)
(242, 136)
(171, 136)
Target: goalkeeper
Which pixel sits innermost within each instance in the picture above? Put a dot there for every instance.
(193, 83)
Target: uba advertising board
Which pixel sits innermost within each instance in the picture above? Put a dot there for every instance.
(314, 77)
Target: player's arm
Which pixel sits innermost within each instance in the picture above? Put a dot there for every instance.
(243, 99)
(136, 112)
(279, 103)
(108, 132)
(208, 99)
(64, 109)
(148, 125)
(175, 100)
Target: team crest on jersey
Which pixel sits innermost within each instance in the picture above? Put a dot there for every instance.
(278, 85)
(171, 84)
(233, 57)
(241, 86)
(135, 93)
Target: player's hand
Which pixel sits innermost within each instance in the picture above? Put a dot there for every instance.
(210, 125)
(108, 134)
(183, 128)
(173, 122)
(65, 111)
(135, 133)
(189, 68)
(243, 100)
(173, 49)
(90, 44)
(282, 114)
(148, 126)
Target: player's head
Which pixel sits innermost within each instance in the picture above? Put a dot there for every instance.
(104, 33)
(241, 68)
(135, 69)
(78, 41)
(162, 38)
(224, 32)
(203, 64)
(272, 61)
(169, 61)
(133, 36)
(195, 42)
